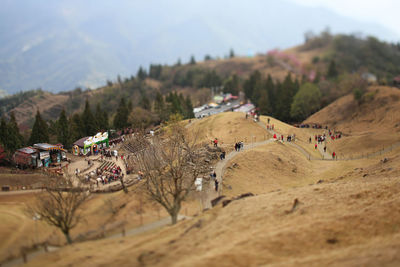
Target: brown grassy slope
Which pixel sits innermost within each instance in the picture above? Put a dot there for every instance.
(228, 127)
(352, 218)
(47, 103)
(367, 127)
(352, 221)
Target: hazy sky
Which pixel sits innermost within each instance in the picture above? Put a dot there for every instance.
(384, 12)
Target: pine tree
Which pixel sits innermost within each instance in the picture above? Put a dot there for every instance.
(141, 74)
(232, 85)
(175, 106)
(106, 124)
(270, 88)
(284, 98)
(231, 53)
(145, 102)
(332, 71)
(3, 132)
(192, 60)
(13, 130)
(121, 118)
(63, 135)
(264, 103)
(188, 108)
(76, 128)
(130, 105)
(159, 107)
(88, 120)
(250, 84)
(40, 132)
(98, 115)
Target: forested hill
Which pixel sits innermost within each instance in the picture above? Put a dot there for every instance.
(334, 65)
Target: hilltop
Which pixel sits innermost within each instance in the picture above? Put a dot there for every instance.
(367, 126)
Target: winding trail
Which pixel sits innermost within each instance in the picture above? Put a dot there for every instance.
(210, 193)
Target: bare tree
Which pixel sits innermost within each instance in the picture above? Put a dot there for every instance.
(170, 166)
(60, 205)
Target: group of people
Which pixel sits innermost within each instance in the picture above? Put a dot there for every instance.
(239, 146)
(254, 115)
(270, 127)
(108, 175)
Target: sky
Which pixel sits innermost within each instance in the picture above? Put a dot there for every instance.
(384, 12)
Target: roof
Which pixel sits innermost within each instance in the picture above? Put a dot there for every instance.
(27, 150)
(45, 146)
(81, 142)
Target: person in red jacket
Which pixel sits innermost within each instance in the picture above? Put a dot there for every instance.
(333, 155)
(215, 142)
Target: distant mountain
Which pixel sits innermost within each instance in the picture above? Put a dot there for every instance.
(59, 45)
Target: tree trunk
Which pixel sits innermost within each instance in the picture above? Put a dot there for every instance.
(123, 185)
(174, 217)
(174, 214)
(68, 237)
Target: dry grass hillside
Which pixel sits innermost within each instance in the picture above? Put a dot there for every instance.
(228, 127)
(367, 127)
(47, 103)
(347, 212)
(352, 221)
(108, 212)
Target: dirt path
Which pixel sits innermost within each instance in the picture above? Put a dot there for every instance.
(210, 192)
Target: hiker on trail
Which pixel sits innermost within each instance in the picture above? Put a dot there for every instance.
(324, 149)
(316, 146)
(223, 154)
(236, 146)
(241, 145)
(282, 137)
(309, 140)
(215, 142)
(268, 120)
(333, 155)
(274, 136)
(216, 185)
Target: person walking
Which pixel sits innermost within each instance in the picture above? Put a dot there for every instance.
(216, 185)
(215, 142)
(333, 155)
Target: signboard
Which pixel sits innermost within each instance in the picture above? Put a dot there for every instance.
(44, 155)
(99, 137)
(199, 184)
